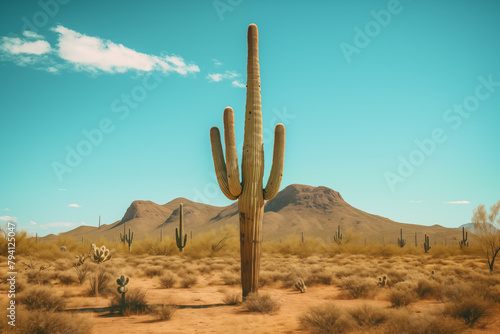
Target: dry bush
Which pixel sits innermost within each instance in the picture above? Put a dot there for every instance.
(135, 302)
(473, 310)
(168, 280)
(402, 296)
(48, 322)
(326, 319)
(163, 312)
(153, 271)
(232, 299)
(403, 321)
(262, 303)
(234, 279)
(99, 282)
(66, 278)
(42, 298)
(81, 273)
(188, 281)
(426, 288)
(354, 288)
(367, 316)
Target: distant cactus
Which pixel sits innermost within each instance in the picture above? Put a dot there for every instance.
(427, 245)
(416, 244)
(161, 235)
(300, 285)
(464, 243)
(63, 249)
(338, 237)
(382, 281)
(401, 241)
(127, 238)
(178, 232)
(100, 255)
(302, 237)
(122, 289)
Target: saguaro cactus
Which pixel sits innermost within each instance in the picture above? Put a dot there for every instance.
(249, 192)
(178, 232)
(427, 245)
(127, 238)
(338, 236)
(401, 241)
(464, 242)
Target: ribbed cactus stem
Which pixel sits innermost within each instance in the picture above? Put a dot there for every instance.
(128, 239)
(427, 245)
(401, 241)
(179, 232)
(463, 242)
(249, 192)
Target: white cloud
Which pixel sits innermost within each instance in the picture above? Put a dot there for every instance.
(32, 222)
(32, 34)
(216, 62)
(61, 189)
(9, 219)
(216, 77)
(6, 209)
(95, 54)
(237, 83)
(457, 202)
(15, 46)
(74, 206)
(415, 201)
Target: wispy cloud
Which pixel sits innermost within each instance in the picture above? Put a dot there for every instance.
(216, 77)
(74, 206)
(59, 224)
(237, 83)
(415, 201)
(6, 209)
(81, 52)
(9, 219)
(216, 62)
(457, 202)
(32, 222)
(61, 189)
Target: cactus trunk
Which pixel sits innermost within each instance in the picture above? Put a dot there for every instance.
(249, 192)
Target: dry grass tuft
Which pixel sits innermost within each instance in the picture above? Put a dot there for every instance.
(263, 303)
(231, 299)
(368, 316)
(42, 298)
(354, 288)
(135, 302)
(326, 319)
(163, 312)
(168, 280)
(473, 310)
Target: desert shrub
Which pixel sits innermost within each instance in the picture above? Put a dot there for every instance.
(233, 279)
(188, 281)
(163, 312)
(42, 298)
(153, 271)
(135, 302)
(354, 288)
(168, 280)
(471, 309)
(403, 321)
(427, 288)
(231, 299)
(81, 273)
(400, 297)
(367, 316)
(99, 283)
(66, 279)
(48, 322)
(326, 319)
(262, 303)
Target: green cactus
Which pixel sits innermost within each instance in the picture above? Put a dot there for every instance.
(416, 244)
(302, 237)
(338, 237)
(122, 289)
(464, 243)
(178, 232)
(401, 241)
(427, 245)
(100, 255)
(127, 238)
(249, 192)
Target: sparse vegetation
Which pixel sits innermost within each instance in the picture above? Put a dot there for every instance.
(262, 303)
(163, 312)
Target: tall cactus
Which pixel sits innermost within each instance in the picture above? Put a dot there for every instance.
(249, 192)
(401, 241)
(464, 243)
(178, 232)
(427, 245)
(338, 236)
(127, 238)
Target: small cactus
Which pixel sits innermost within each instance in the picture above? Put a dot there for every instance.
(100, 255)
(178, 232)
(382, 281)
(464, 243)
(338, 237)
(122, 289)
(300, 285)
(127, 238)
(401, 241)
(427, 245)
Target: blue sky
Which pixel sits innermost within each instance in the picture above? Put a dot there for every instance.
(395, 104)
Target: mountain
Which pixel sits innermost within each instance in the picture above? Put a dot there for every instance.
(315, 211)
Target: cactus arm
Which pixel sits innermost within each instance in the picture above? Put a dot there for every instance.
(274, 182)
(233, 172)
(219, 163)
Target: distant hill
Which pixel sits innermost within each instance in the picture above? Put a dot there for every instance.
(316, 211)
